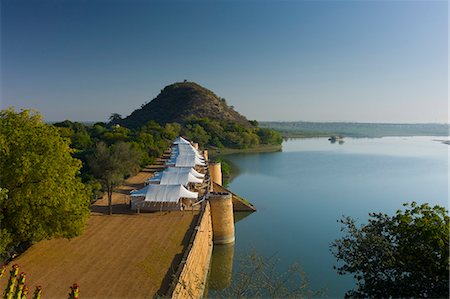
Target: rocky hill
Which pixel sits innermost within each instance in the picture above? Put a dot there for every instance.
(181, 101)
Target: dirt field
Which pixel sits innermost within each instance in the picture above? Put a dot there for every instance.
(125, 255)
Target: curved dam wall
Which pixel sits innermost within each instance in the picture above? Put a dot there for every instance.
(215, 225)
(191, 275)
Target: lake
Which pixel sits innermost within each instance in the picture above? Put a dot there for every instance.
(301, 192)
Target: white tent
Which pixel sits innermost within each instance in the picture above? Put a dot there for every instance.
(183, 170)
(181, 140)
(188, 161)
(173, 157)
(185, 161)
(178, 170)
(156, 177)
(176, 176)
(186, 169)
(164, 193)
(183, 178)
(182, 149)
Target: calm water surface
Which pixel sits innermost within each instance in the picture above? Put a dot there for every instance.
(301, 192)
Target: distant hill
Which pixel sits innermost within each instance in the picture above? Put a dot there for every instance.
(181, 101)
(309, 129)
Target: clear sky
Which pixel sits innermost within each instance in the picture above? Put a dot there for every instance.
(368, 61)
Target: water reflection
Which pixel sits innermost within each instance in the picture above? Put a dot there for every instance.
(221, 267)
(302, 191)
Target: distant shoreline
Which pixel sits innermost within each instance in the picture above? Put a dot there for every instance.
(213, 153)
(356, 130)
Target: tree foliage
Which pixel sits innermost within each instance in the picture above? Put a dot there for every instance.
(405, 255)
(5, 236)
(45, 197)
(112, 164)
(210, 132)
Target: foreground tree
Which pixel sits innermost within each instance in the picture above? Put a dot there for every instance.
(110, 165)
(45, 197)
(5, 236)
(405, 255)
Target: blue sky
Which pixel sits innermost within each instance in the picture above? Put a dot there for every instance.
(368, 61)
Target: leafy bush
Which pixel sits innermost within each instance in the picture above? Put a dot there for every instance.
(400, 256)
(46, 198)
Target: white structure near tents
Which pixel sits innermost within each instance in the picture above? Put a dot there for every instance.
(185, 149)
(181, 140)
(185, 161)
(170, 195)
(178, 178)
(173, 178)
(177, 175)
(185, 169)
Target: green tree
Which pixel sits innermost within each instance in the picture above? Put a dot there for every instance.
(171, 131)
(405, 255)
(45, 197)
(115, 118)
(110, 165)
(5, 236)
(268, 136)
(197, 133)
(77, 133)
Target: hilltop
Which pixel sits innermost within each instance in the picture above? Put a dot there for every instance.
(179, 103)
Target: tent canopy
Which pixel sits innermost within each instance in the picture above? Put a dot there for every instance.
(174, 178)
(185, 161)
(178, 170)
(186, 169)
(182, 149)
(181, 140)
(164, 193)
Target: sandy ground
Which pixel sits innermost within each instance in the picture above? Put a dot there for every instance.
(125, 255)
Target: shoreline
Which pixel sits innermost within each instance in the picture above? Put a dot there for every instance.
(322, 135)
(269, 148)
(234, 169)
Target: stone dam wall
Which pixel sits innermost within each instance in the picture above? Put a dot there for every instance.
(190, 278)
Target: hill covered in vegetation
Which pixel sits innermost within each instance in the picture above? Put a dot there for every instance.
(180, 102)
(200, 115)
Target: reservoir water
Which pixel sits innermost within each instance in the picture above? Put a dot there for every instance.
(302, 191)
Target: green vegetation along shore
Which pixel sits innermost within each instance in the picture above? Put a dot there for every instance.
(348, 129)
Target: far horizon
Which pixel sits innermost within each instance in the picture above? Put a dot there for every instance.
(282, 121)
(324, 61)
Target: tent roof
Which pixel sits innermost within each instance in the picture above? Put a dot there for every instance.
(185, 169)
(178, 170)
(181, 140)
(174, 178)
(164, 193)
(185, 161)
(182, 149)
(156, 177)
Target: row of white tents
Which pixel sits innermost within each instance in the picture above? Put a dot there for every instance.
(171, 185)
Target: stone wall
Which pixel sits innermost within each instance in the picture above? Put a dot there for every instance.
(191, 275)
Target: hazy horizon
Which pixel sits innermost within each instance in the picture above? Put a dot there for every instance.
(313, 61)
